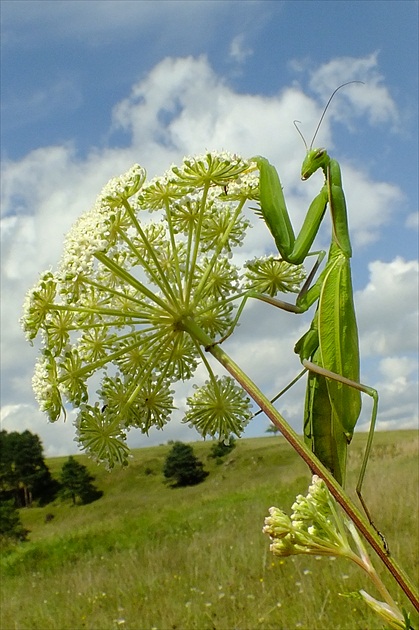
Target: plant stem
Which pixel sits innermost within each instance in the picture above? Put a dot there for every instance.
(311, 460)
(363, 560)
(317, 467)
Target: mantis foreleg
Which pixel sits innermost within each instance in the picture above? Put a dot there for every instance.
(286, 306)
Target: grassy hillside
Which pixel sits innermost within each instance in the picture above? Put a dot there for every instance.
(148, 556)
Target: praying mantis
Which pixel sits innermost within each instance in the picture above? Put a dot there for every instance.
(329, 351)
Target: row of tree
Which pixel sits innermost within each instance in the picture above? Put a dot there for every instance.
(25, 478)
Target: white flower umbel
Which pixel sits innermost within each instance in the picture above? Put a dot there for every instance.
(318, 527)
(137, 299)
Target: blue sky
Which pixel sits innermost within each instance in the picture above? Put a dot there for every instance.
(88, 88)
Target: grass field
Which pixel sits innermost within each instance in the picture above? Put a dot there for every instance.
(147, 556)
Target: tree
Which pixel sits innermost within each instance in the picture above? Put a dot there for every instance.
(76, 482)
(24, 476)
(221, 449)
(11, 528)
(183, 467)
(272, 429)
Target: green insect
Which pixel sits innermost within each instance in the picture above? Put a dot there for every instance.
(329, 351)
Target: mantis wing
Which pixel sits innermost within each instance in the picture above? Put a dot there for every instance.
(338, 340)
(332, 408)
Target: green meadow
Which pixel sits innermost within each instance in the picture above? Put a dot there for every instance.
(148, 556)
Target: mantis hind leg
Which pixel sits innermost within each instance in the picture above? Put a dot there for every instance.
(286, 388)
(370, 391)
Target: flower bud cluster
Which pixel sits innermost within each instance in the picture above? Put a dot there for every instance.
(313, 528)
(318, 527)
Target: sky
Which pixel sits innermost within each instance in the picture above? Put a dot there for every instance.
(90, 88)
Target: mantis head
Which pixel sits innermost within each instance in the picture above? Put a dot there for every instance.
(314, 159)
(317, 158)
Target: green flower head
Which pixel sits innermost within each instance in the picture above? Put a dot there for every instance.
(271, 275)
(138, 297)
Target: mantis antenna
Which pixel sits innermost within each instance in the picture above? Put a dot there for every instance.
(322, 116)
(300, 132)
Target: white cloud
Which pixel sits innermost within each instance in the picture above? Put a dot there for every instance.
(201, 112)
(26, 23)
(370, 203)
(412, 221)
(238, 50)
(57, 438)
(183, 107)
(397, 370)
(372, 98)
(397, 387)
(388, 308)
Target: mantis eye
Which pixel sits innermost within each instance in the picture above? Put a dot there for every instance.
(319, 154)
